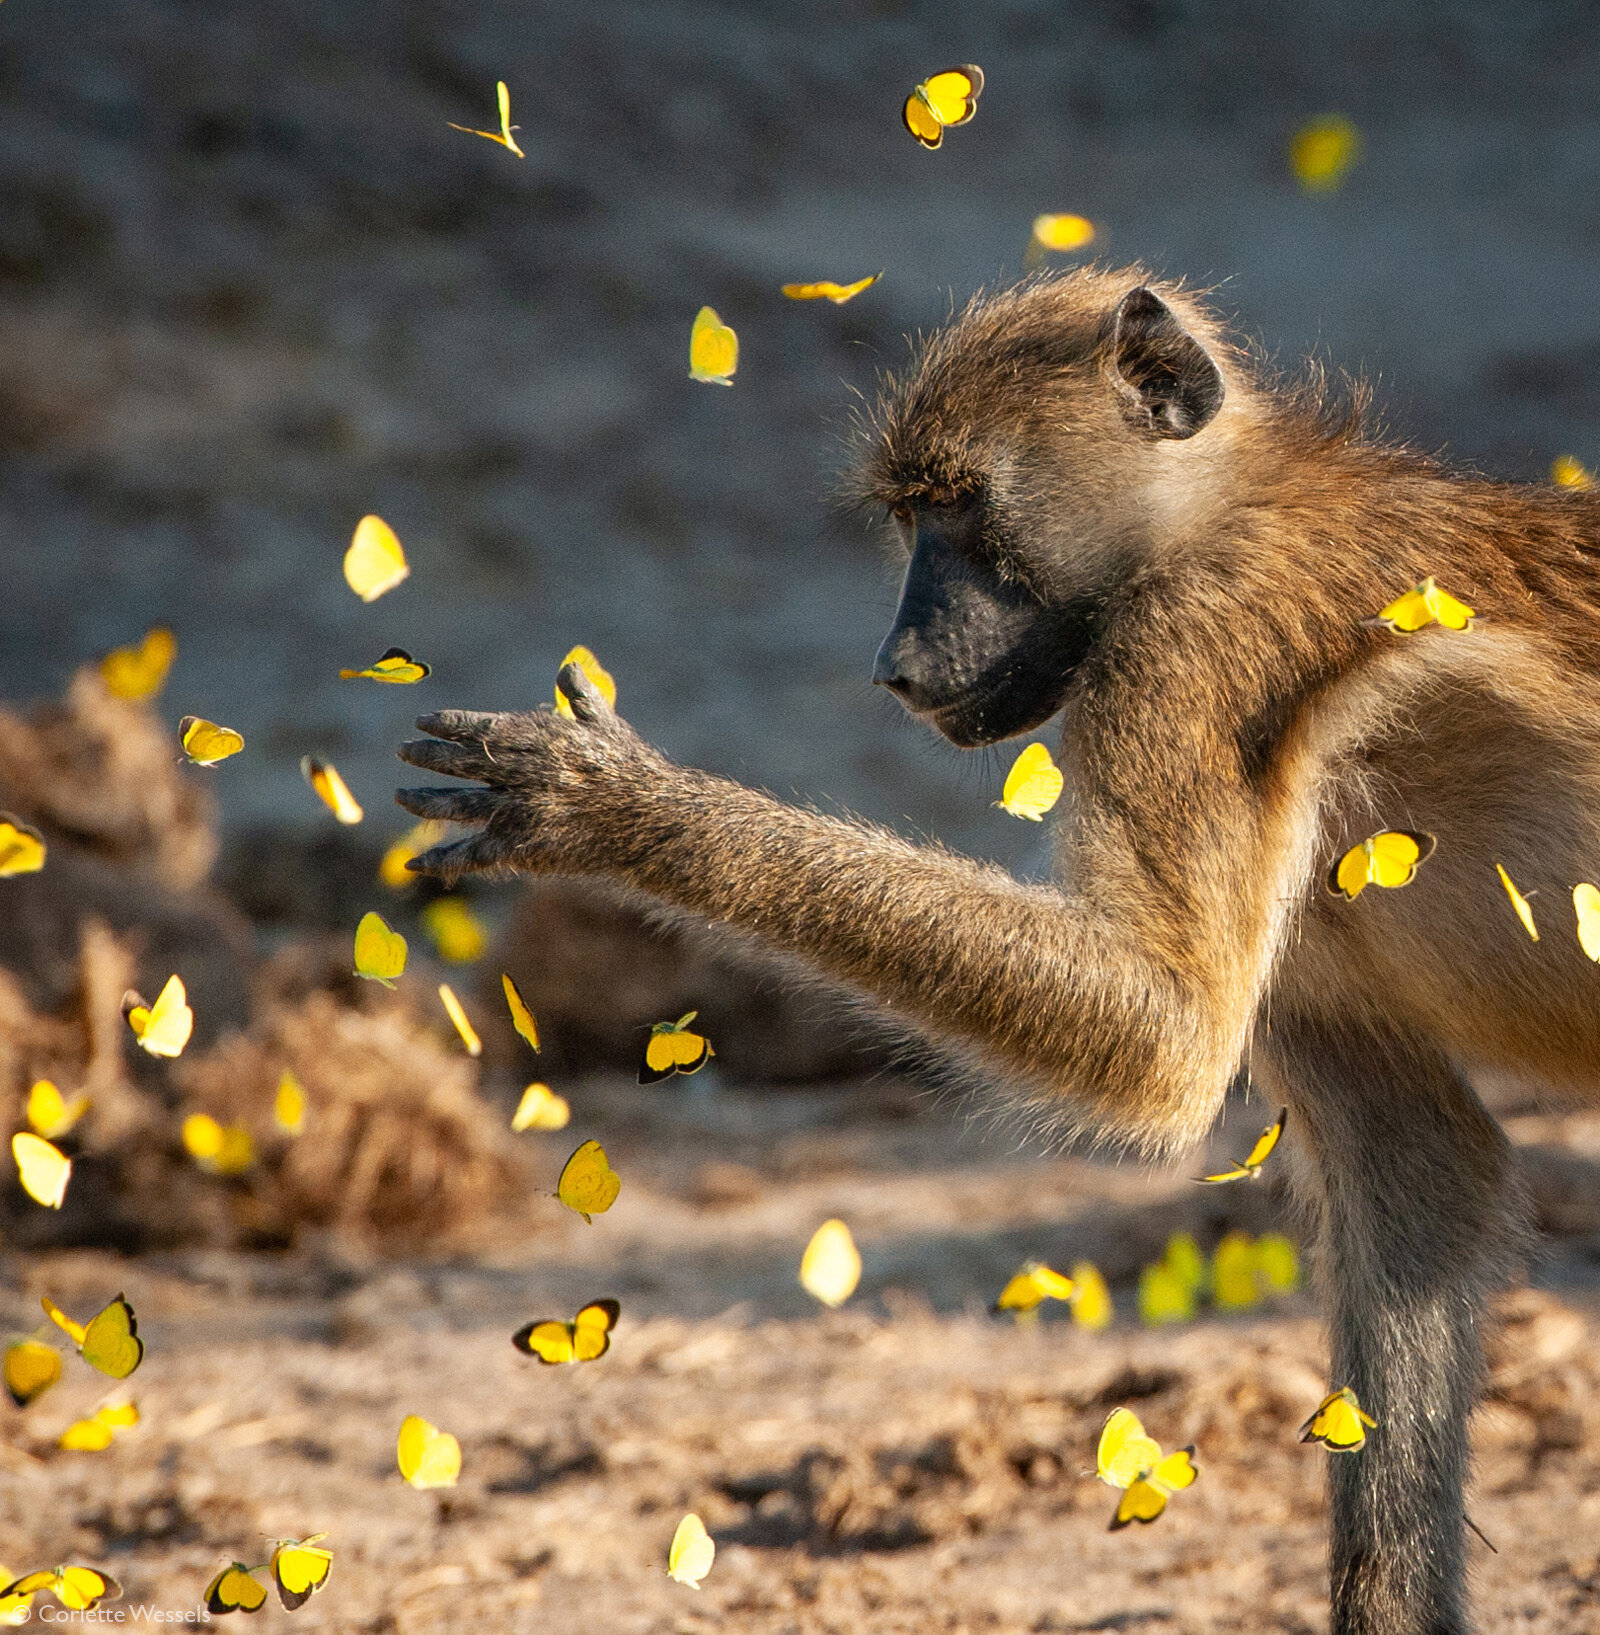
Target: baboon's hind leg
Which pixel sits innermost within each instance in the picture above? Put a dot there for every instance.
(1418, 1221)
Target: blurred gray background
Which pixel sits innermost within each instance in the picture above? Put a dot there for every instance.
(252, 286)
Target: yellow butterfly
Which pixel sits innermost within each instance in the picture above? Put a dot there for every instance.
(824, 289)
(1233, 1273)
(830, 1268)
(1586, 900)
(1033, 785)
(1129, 1459)
(22, 847)
(458, 1015)
(672, 1048)
(163, 1028)
(140, 672)
(218, 1149)
(375, 561)
(30, 1369)
(1277, 1263)
(111, 1341)
(1184, 1260)
(234, 1589)
(1323, 151)
(205, 743)
(1340, 1423)
(588, 1184)
(1250, 1168)
(458, 934)
(1567, 471)
(521, 1017)
(1390, 858)
(427, 1456)
(289, 1104)
(1425, 605)
(324, 778)
(396, 666)
(299, 1569)
(503, 136)
(79, 1588)
(1520, 903)
(1164, 1296)
(599, 678)
(1062, 232)
(380, 952)
(44, 1169)
(713, 349)
(585, 1338)
(1030, 1287)
(541, 1109)
(50, 1114)
(1092, 1307)
(692, 1552)
(413, 843)
(943, 99)
(97, 1434)
(14, 1609)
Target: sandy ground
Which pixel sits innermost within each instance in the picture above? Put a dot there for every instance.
(908, 1463)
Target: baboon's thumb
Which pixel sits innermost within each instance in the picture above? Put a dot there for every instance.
(582, 695)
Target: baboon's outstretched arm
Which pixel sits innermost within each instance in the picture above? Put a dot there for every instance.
(1067, 1000)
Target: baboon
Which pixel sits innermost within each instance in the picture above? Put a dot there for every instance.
(1112, 512)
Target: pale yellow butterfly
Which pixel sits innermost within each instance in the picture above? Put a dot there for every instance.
(163, 1028)
(380, 953)
(1323, 151)
(824, 289)
(376, 561)
(1033, 785)
(22, 847)
(427, 1456)
(43, 1169)
(1520, 903)
(503, 136)
(205, 743)
(541, 1109)
(830, 1268)
(713, 350)
(324, 777)
(457, 1014)
(692, 1552)
(51, 1114)
(220, 1149)
(1586, 900)
(140, 672)
(289, 1104)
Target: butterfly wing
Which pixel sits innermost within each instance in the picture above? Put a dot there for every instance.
(1351, 874)
(1397, 854)
(1407, 613)
(111, 1342)
(1338, 1424)
(1124, 1451)
(690, 1051)
(380, 954)
(1521, 905)
(86, 1436)
(541, 1109)
(1062, 232)
(1176, 1472)
(375, 562)
(22, 848)
(140, 672)
(75, 1331)
(830, 1268)
(1091, 1299)
(1032, 786)
(591, 1329)
(1022, 1293)
(458, 1015)
(1050, 1283)
(713, 349)
(82, 1588)
(169, 1021)
(521, 1017)
(299, 1570)
(588, 1184)
(953, 94)
(1446, 610)
(1143, 1502)
(1267, 1141)
(235, 1589)
(43, 1169)
(692, 1552)
(550, 1340)
(30, 1369)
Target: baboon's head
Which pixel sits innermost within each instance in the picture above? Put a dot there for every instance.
(1030, 460)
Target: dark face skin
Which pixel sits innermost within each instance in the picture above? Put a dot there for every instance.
(972, 649)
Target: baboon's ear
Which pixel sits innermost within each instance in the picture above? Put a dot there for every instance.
(1169, 385)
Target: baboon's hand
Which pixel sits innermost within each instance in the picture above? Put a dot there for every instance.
(542, 782)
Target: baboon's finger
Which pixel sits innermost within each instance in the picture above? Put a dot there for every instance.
(454, 760)
(463, 726)
(450, 860)
(450, 805)
(580, 692)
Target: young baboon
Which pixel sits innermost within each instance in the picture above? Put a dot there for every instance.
(1110, 513)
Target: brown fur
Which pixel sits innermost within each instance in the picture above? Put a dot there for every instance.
(1233, 727)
